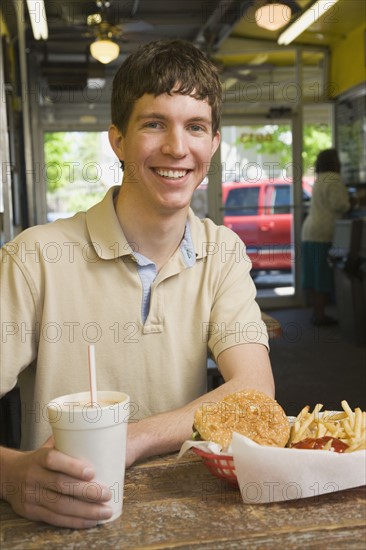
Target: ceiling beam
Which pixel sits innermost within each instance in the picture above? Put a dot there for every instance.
(219, 24)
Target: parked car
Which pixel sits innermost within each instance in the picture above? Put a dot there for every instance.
(261, 214)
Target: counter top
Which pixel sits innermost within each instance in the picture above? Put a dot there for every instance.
(179, 504)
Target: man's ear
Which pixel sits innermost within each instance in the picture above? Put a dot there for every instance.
(116, 140)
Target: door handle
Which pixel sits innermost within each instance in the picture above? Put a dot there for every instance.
(268, 227)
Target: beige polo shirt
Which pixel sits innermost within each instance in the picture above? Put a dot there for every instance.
(74, 282)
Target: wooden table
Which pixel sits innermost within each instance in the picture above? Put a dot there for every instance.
(170, 504)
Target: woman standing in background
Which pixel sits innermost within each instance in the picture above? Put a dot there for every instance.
(329, 202)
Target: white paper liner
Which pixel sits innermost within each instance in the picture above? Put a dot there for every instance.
(207, 446)
(273, 474)
(211, 447)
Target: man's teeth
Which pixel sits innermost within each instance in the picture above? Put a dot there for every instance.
(172, 173)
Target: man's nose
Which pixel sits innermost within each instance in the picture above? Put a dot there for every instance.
(175, 144)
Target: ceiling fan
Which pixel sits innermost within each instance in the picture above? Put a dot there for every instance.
(103, 25)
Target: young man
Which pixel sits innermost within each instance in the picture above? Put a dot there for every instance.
(153, 286)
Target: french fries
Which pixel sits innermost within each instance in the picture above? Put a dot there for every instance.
(348, 426)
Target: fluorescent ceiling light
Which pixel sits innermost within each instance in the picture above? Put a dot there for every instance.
(273, 16)
(37, 14)
(229, 83)
(309, 17)
(104, 51)
(96, 83)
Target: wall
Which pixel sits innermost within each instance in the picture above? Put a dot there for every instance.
(347, 66)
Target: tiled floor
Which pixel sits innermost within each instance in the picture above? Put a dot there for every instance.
(313, 364)
(316, 364)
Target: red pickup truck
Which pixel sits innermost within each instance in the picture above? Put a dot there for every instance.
(261, 214)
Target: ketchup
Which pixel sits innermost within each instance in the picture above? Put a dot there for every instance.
(312, 443)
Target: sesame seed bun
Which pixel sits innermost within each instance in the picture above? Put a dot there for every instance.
(250, 413)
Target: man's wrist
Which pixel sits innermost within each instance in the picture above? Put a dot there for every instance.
(155, 435)
(140, 443)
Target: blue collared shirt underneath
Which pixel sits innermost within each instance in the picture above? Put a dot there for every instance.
(148, 272)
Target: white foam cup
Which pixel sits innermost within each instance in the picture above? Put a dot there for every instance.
(96, 434)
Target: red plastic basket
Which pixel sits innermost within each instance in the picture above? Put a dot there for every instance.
(221, 466)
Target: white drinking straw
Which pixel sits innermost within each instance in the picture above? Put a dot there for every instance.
(92, 374)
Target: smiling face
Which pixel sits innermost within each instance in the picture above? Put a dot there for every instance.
(166, 149)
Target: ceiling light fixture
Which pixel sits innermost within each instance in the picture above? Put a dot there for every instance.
(38, 18)
(273, 15)
(310, 16)
(104, 50)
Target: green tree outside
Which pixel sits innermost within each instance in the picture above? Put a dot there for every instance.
(57, 150)
(316, 137)
(73, 172)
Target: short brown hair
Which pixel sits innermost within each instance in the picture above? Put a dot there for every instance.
(158, 67)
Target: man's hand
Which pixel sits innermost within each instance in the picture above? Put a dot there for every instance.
(47, 485)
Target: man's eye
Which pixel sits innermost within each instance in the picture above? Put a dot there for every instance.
(152, 125)
(196, 128)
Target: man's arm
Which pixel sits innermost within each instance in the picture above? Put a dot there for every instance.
(46, 485)
(242, 366)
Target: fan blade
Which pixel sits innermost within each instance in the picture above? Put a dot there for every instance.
(136, 26)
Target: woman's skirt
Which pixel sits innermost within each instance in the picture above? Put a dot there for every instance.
(316, 271)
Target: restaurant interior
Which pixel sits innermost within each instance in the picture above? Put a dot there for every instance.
(54, 84)
(57, 61)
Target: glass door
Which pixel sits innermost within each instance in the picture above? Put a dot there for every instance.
(260, 184)
(258, 200)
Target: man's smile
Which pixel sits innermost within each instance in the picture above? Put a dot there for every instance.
(172, 174)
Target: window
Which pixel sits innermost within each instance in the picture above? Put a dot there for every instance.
(242, 202)
(281, 200)
(79, 168)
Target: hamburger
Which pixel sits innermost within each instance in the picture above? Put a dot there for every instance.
(249, 412)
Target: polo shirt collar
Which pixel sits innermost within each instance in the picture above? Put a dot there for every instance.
(107, 236)
(198, 234)
(105, 232)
